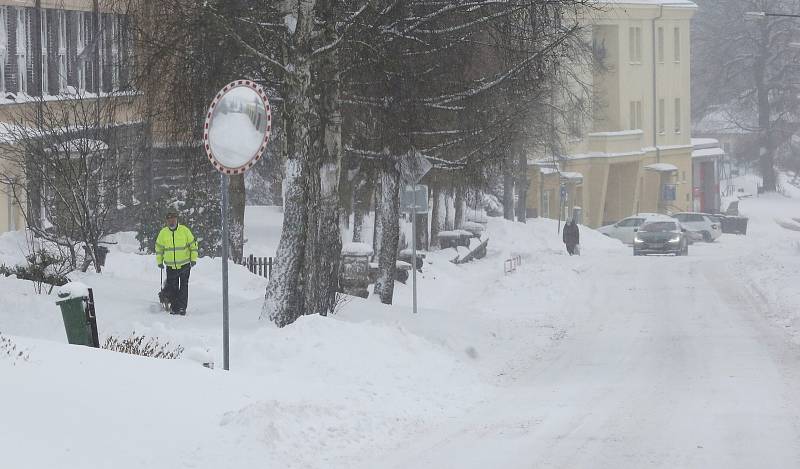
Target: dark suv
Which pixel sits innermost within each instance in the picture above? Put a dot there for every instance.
(660, 237)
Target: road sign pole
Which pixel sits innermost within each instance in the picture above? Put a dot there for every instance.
(235, 97)
(225, 322)
(413, 212)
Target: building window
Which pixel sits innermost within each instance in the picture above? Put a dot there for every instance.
(3, 47)
(661, 45)
(677, 115)
(661, 123)
(635, 44)
(677, 44)
(43, 35)
(62, 51)
(636, 115)
(22, 51)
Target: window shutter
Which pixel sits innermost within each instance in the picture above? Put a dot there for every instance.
(52, 51)
(90, 53)
(34, 51)
(107, 57)
(11, 65)
(124, 55)
(72, 48)
(31, 75)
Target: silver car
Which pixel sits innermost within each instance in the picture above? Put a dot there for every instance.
(708, 227)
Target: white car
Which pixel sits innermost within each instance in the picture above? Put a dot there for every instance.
(625, 229)
(708, 226)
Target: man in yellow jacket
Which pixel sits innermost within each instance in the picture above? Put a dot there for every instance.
(176, 248)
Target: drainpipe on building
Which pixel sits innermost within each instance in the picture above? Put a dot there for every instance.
(655, 94)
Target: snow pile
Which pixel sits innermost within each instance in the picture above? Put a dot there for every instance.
(357, 249)
(73, 290)
(771, 272)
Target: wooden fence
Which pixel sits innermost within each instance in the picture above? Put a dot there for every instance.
(261, 266)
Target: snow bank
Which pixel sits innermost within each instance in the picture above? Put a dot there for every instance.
(333, 392)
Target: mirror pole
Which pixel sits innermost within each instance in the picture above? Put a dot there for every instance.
(225, 325)
(414, 247)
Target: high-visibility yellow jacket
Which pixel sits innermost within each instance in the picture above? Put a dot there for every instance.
(176, 248)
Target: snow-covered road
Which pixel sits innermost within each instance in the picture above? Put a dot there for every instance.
(670, 362)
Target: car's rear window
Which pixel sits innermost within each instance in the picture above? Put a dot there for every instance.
(658, 226)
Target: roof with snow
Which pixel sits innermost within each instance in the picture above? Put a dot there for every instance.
(662, 167)
(708, 153)
(665, 3)
(698, 143)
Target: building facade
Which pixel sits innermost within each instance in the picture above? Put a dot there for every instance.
(634, 152)
(52, 53)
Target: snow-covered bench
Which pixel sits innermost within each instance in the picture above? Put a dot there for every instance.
(454, 238)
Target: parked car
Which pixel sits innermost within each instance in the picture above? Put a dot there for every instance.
(625, 229)
(708, 226)
(661, 236)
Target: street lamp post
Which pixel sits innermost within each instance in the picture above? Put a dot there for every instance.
(760, 15)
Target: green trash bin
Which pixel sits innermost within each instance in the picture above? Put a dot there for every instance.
(77, 310)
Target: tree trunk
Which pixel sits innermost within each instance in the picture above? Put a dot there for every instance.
(283, 301)
(522, 185)
(508, 189)
(377, 219)
(388, 212)
(422, 240)
(362, 200)
(236, 190)
(766, 157)
(459, 203)
(450, 212)
(346, 195)
(437, 217)
(322, 270)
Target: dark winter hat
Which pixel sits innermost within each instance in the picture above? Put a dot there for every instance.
(172, 214)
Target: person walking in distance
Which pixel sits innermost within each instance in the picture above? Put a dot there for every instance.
(176, 248)
(571, 237)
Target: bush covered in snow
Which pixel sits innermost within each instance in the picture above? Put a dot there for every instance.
(143, 346)
(8, 349)
(43, 269)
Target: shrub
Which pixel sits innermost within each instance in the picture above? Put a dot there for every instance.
(341, 301)
(8, 349)
(43, 269)
(143, 346)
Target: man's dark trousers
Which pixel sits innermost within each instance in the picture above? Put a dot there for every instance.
(178, 286)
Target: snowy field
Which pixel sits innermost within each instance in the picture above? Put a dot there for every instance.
(602, 360)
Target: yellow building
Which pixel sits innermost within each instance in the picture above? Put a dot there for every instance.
(635, 152)
(53, 52)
